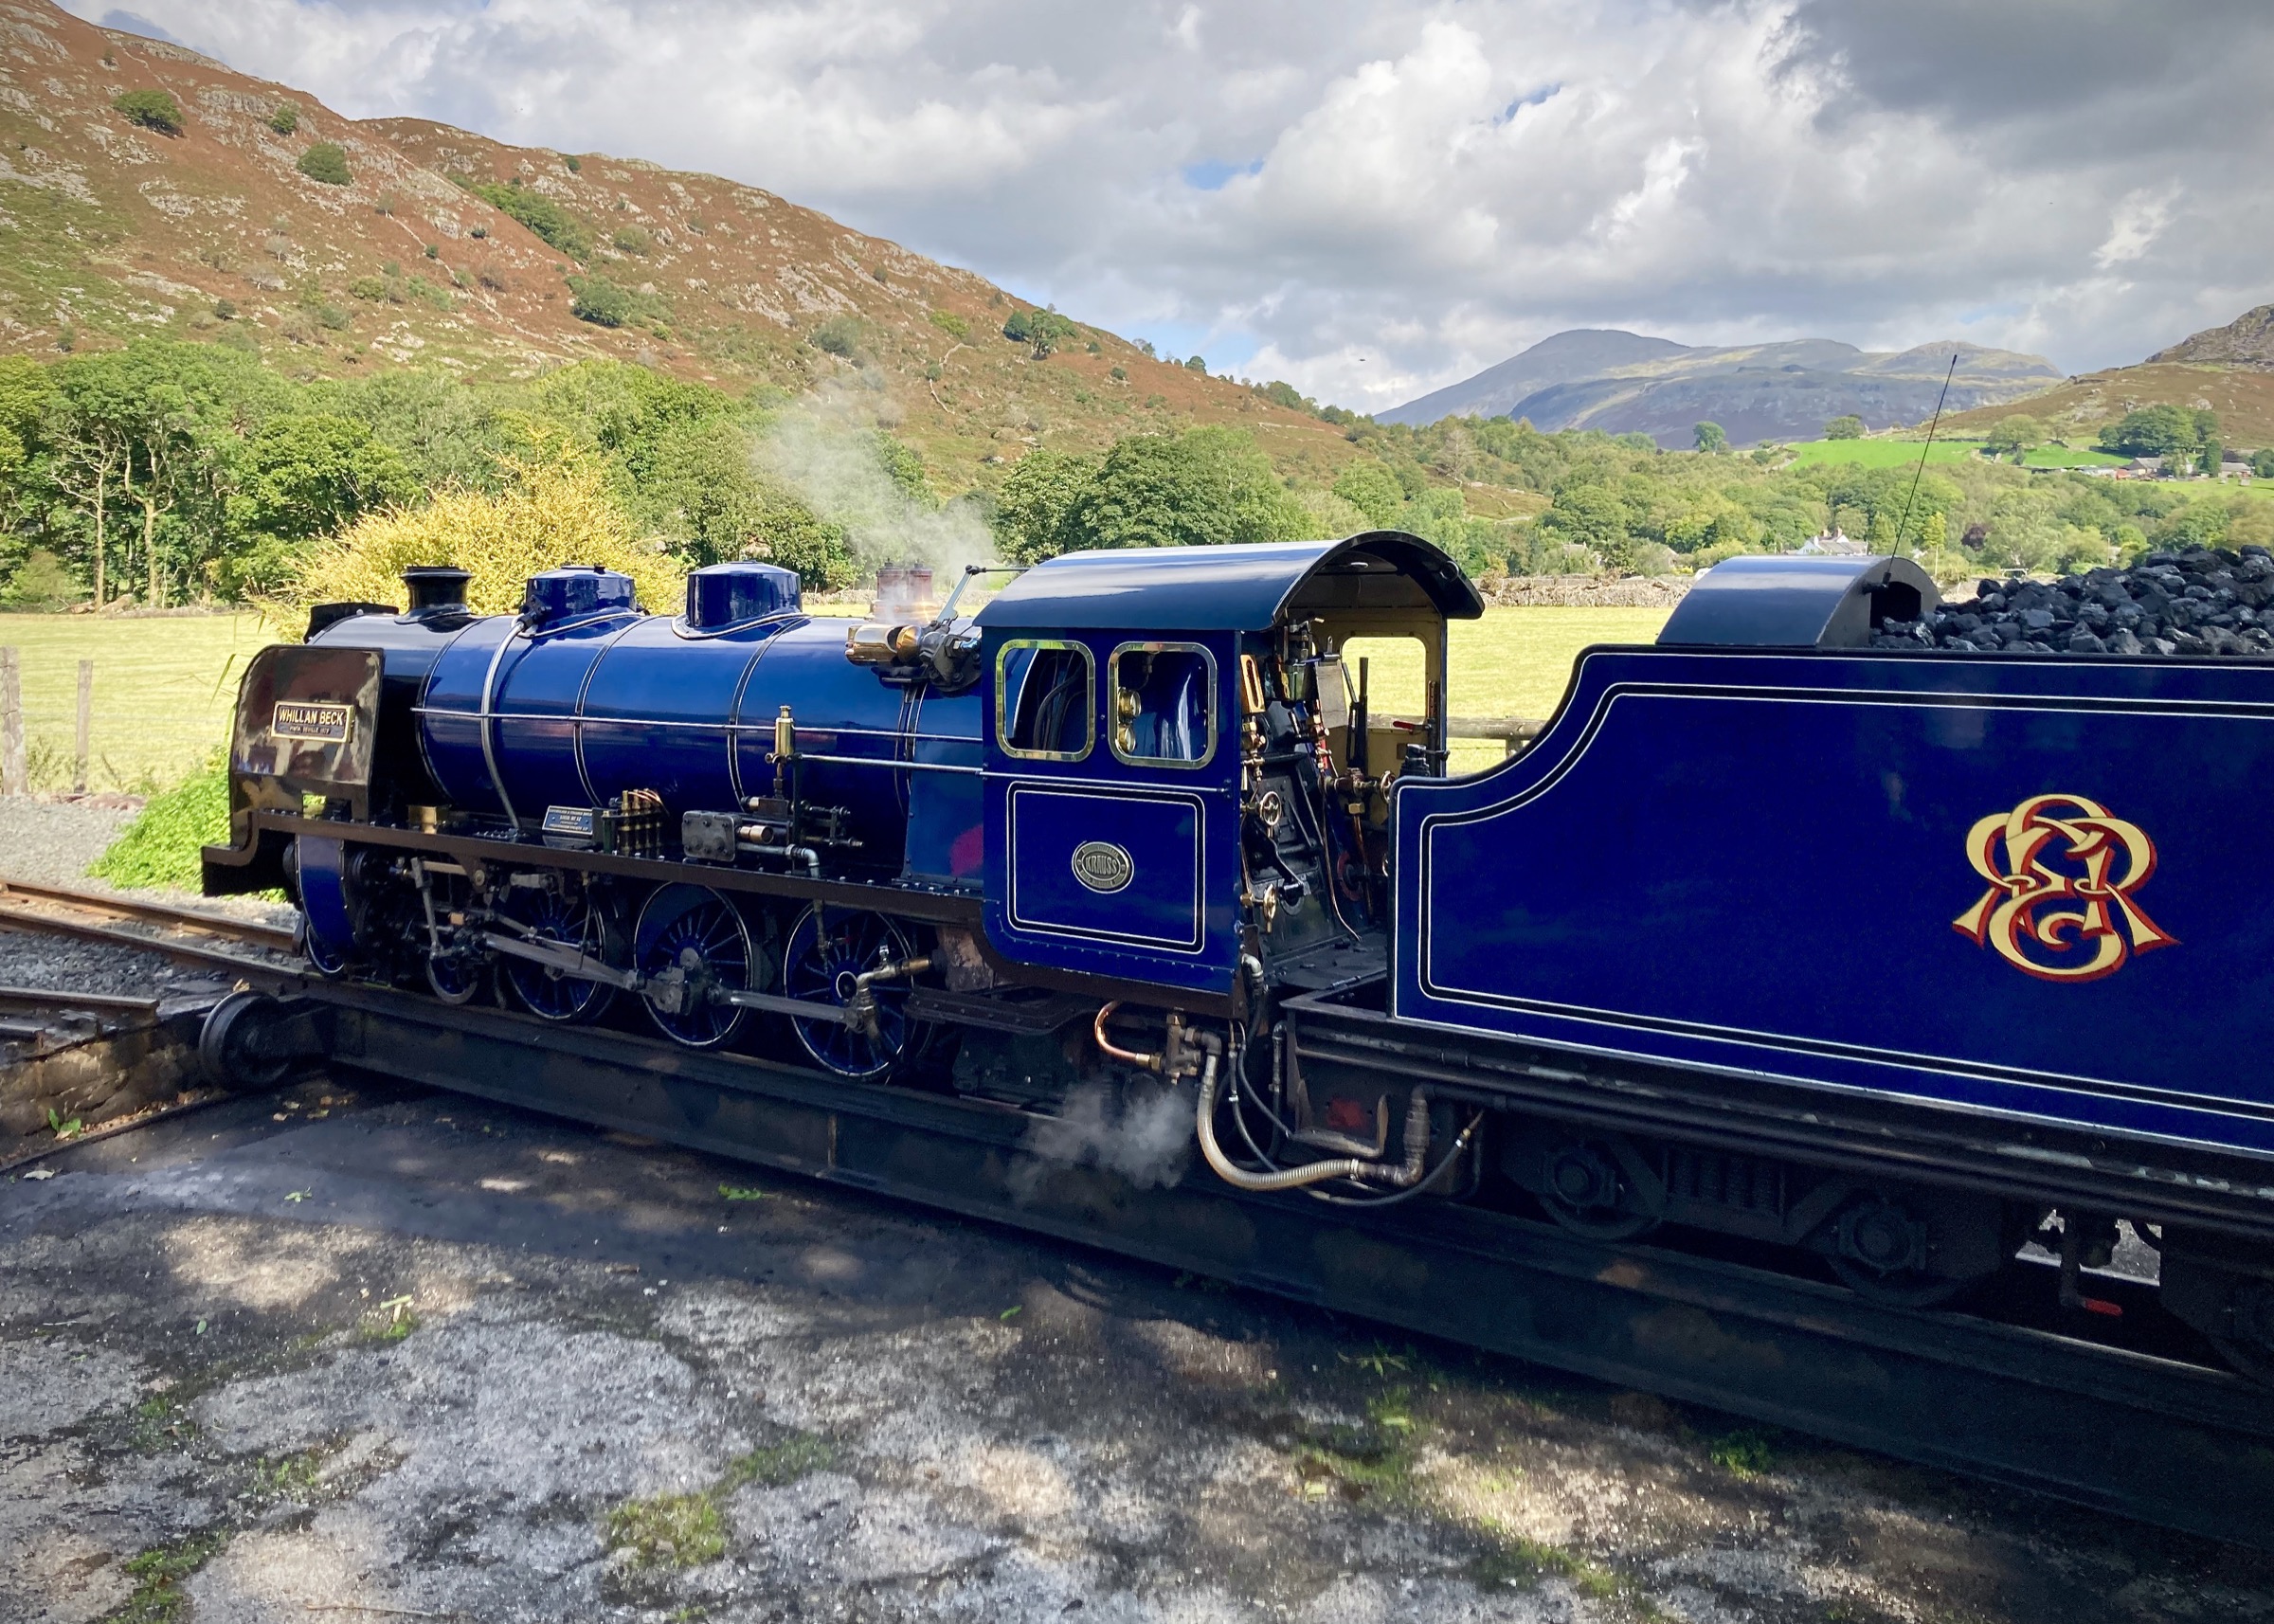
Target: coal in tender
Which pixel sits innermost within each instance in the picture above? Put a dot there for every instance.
(2207, 601)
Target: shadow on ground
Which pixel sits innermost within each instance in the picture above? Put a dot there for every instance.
(356, 1353)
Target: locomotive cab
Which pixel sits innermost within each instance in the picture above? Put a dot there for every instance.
(1180, 775)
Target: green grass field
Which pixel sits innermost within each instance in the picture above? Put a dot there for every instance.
(164, 687)
(2070, 457)
(1882, 453)
(1514, 663)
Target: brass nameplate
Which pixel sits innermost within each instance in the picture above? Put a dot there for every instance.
(317, 723)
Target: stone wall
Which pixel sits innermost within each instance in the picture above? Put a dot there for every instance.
(1586, 591)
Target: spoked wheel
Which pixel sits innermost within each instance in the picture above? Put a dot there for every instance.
(829, 949)
(1581, 1190)
(456, 975)
(548, 993)
(329, 962)
(691, 943)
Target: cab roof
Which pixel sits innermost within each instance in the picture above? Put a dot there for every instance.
(1243, 588)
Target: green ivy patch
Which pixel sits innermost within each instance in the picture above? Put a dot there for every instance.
(159, 849)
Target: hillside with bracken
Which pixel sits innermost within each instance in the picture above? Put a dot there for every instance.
(2077, 408)
(2228, 370)
(253, 215)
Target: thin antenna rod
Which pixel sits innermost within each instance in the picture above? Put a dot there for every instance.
(1905, 520)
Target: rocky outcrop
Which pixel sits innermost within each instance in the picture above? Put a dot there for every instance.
(2246, 341)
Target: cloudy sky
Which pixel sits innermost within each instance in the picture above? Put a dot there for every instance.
(1373, 199)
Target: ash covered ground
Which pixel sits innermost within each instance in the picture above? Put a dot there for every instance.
(331, 1355)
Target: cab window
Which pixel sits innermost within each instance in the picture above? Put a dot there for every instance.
(1045, 701)
(1163, 704)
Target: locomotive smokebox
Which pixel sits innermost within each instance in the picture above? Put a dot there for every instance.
(904, 594)
(436, 588)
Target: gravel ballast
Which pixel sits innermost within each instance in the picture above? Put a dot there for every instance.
(51, 842)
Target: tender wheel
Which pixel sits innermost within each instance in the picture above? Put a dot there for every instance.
(691, 943)
(829, 948)
(2248, 1342)
(1581, 1191)
(556, 917)
(2225, 1289)
(1880, 1255)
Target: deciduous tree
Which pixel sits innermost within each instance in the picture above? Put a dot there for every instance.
(2155, 431)
(2014, 434)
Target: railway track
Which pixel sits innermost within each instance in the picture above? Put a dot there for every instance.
(2154, 1430)
(89, 1034)
(188, 935)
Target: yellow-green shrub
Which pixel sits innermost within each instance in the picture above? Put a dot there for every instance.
(553, 510)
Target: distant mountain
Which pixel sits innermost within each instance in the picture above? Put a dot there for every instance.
(1624, 382)
(1582, 352)
(2246, 341)
(441, 247)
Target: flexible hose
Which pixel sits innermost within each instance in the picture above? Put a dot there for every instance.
(1244, 1089)
(1240, 1178)
(1417, 1144)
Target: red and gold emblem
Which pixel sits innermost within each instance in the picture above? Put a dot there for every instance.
(2062, 873)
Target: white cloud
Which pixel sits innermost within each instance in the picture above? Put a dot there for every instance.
(1374, 197)
(2137, 221)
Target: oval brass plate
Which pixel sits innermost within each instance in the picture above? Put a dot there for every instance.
(1103, 866)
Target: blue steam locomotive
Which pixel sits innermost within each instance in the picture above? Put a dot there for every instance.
(1885, 963)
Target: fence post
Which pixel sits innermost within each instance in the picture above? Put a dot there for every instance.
(12, 772)
(87, 726)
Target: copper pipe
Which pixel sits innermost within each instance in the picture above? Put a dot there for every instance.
(1113, 1051)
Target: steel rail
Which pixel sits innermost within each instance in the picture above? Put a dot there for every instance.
(255, 972)
(250, 931)
(2134, 1432)
(38, 1000)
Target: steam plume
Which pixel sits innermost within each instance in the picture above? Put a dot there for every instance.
(824, 449)
(1143, 1133)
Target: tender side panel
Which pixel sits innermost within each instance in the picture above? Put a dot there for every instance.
(2020, 886)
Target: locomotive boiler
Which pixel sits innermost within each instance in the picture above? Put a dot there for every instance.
(1884, 965)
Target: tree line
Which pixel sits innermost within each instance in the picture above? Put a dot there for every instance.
(164, 473)
(1621, 502)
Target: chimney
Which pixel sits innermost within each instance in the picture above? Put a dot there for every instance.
(903, 595)
(437, 589)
